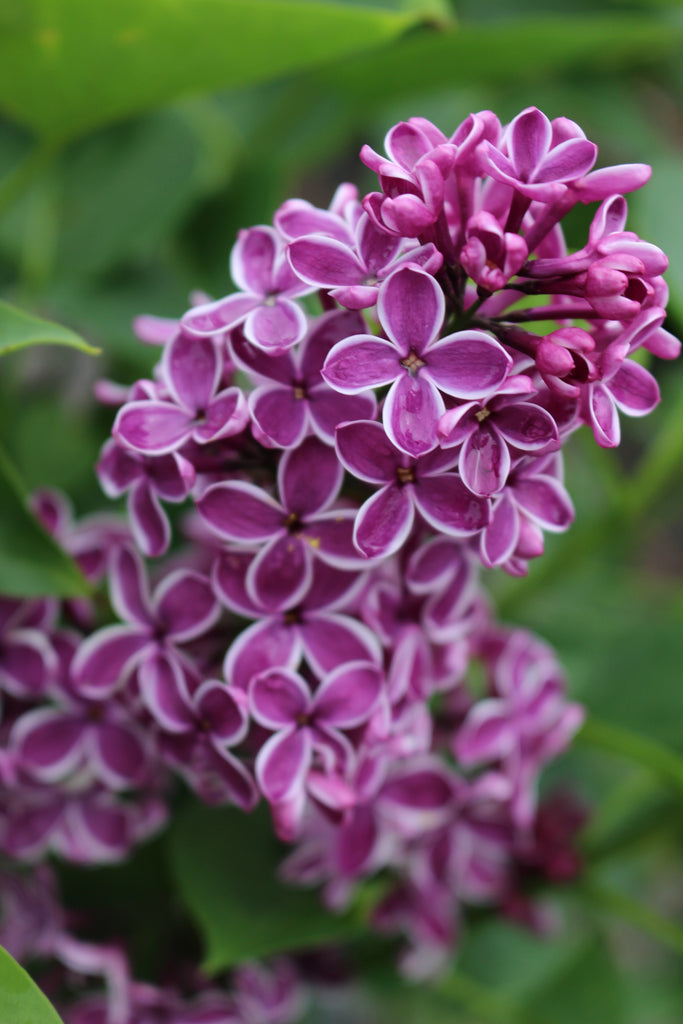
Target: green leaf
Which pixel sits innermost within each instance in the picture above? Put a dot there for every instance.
(225, 865)
(69, 65)
(22, 1002)
(31, 563)
(496, 53)
(588, 990)
(19, 330)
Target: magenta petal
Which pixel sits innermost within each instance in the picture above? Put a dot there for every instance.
(328, 409)
(119, 755)
(326, 331)
(367, 453)
(347, 697)
(419, 797)
(384, 522)
(281, 573)
(48, 743)
(449, 507)
(153, 428)
(28, 663)
(526, 426)
(220, 713)
(226, 415)
(412, 410)
(227, 779)
(240, 511)
(185, 605)
(282, 764)
(487, 734)
(128, 587)
(469, 364)
(277, 327)
(411, 309)
(165, 694)
(604, 417)
(309, 477)
(330, 536)
(499, 539)
(278, 698)
(330, 640)
(216, 317)
(325, 262)
(568, 161)
(148, 522)
(529, 137)
(546, 501)
(634, 389)
(484, 461)
(192, 370)
(253, 258)
(279, 415)
(264, 645)
(361, 362)
(228, 581)
(104, 660)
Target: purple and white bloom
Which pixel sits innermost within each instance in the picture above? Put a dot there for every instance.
(385, 521)
(534, 499)
(624, 385)
(265, 304)
(292, 532)
(526, 723)
(28, 662)
(538, 157)
(291, 399)
(486, 431)
(146, 479)
(309, 749)
(81, 740)
(200, 728)
(418, 364)
(195, 410)
(353, 272)
(316, 628)
(181, 609)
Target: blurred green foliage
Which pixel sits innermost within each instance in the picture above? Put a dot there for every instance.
(138, 137)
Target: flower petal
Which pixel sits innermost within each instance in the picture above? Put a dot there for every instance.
(468, 364)
(348, 696)
(240, 511)
(412, 410)
(411, 309)
(282, 764)
(361, 362)
(449, 507)
(278, 698)
(153, 428)
(384, 522)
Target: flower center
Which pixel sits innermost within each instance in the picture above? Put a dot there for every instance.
(412, 363)
(299, 392)
(482, 414)
(405, 475)
(293, 523)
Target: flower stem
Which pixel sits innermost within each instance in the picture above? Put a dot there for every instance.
(665, 931)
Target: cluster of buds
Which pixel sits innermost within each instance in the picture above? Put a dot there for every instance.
(314, 634)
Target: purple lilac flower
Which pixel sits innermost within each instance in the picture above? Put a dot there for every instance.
(304, 526)
(265, 304)
(194, 410)
(416, 361)
(385, 520)
(291, 399)
(181, 608)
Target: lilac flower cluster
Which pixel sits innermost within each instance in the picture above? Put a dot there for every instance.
(314, 635)
(34, 926)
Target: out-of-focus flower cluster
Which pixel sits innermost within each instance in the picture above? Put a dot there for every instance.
(317, 635)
